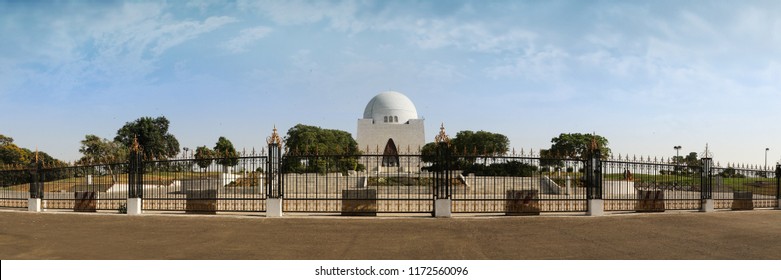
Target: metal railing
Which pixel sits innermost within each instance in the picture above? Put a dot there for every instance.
(407, 183)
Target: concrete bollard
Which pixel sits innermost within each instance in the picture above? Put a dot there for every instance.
(707, 206)
(274, 207)
(596, 207)
(34, 205)
(134, 206)
(442, 208)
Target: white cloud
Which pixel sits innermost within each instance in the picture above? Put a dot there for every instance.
(548, 64)
(106, 47)
(246, 37)
(340, 15)
(472, 36)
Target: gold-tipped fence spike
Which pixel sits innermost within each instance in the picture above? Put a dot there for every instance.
(513, 151)
(522, 153)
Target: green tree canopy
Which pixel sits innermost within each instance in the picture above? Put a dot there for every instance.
(97, 150)
(153, 136)
(11, 154)
(466, 142)
(305, 139)
(203, 156)
(5, 140)
(226, 154)
(306, 142)
(576, 146)
(480, 143)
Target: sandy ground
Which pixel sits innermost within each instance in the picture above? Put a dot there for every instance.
(670, 235)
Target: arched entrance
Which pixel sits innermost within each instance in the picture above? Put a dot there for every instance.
(390, 156)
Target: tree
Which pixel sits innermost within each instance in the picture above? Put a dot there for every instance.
(203, 157)
(303, 139)
(306, 142)
(576, 146)
(10, 154)
(225, 152)
(5, 140)
(692, 161)
(97, 150)
(152, 135)
(480, 143)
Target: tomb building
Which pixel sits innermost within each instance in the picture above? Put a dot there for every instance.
(390, 126)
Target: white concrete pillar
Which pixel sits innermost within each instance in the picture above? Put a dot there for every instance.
(596, 207)
(134, 206)
(274, 207)
(34, 205)
(707, 205)
(442, 208)
(89, 179)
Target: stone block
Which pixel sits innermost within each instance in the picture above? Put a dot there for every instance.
(521, 203)
(359, 202)
(201, 202)
(274, 207)
(708, 205)
(34, 205)
(134, 206)
(442, 208)
(596, 207)
(650, 201)
(742, 200)
(85, 202)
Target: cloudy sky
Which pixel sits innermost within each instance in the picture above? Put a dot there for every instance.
(648, 75)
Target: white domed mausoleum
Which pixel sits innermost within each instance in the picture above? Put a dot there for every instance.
(390, 126)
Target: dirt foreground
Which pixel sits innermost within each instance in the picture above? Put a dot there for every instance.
(671, 235)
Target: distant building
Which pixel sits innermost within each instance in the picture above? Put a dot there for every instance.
(390, 126)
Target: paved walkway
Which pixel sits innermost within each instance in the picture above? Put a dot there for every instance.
(671, 235)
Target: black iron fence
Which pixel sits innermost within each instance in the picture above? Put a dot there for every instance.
(517, 184)
(205, 185)
(14, 188)
(355, 184)
(406, 183)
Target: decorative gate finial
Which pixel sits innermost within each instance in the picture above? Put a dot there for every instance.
(135, 147)
(442, 136)
(274, 138)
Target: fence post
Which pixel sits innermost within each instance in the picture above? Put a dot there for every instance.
(778, 186)
(34, 203)
(596, 206)
(706, 183)
(135, 180)
(274, 184)
(442, 176)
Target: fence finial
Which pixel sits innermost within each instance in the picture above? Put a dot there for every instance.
(135, 147)
(442, 136)
(274, 138)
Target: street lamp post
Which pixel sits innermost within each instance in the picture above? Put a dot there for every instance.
(677, 148)
(766, 149)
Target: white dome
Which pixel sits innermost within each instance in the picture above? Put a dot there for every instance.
(390, 107)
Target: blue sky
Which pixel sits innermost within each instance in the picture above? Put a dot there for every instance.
(648, 75)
